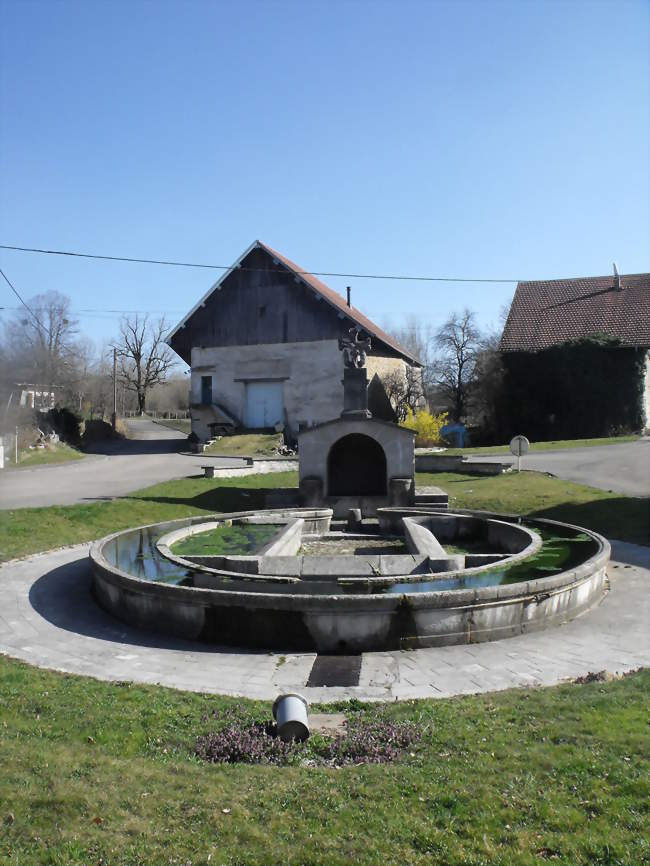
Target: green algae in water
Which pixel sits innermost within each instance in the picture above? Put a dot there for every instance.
(558, 553)
(240, 539)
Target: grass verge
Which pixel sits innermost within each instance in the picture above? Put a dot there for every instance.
(554, 445)
(105, 773)
(614, 515)
(59, 452)
(30, 530)
(247, 444)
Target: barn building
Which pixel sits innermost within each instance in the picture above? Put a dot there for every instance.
(262, 345)
(576, 356)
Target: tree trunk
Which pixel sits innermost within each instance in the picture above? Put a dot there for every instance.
(141, 402)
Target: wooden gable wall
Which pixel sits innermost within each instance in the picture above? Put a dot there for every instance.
(254, 307)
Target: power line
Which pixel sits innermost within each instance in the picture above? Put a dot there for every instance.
(228, 267)
(109, 314)
(24, 303)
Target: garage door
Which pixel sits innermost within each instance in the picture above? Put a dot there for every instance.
(264, 404)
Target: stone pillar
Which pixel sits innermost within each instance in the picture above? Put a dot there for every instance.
(311, 489)
(355, 392)
(401, 492)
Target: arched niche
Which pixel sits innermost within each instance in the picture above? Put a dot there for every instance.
(356, 466)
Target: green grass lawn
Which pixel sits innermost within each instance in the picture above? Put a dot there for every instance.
(555, 445)
(92, 772)
(29, 530)
(247, 444)
(105, 773)
(614, 515)
(57, 453)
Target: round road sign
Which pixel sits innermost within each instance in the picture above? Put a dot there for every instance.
(519, 446)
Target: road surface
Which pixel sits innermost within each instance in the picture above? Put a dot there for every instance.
(121, 466)
(115, 468)
(623, 468)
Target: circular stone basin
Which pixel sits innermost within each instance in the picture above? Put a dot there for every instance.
(466, 577)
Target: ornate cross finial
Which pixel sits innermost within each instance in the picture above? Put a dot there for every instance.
(354, 350)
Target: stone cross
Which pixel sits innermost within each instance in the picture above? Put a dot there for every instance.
(354, 350)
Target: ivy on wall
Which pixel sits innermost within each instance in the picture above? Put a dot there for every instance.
(583, 388)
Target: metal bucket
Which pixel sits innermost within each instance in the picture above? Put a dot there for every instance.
(290, 714)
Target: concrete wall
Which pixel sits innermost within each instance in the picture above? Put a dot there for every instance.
(350, 623)
(646, 392)
(396, 442)
(310, 373)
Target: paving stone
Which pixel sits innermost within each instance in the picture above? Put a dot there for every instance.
(58, 626)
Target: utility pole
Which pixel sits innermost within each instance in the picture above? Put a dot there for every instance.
(114, 415)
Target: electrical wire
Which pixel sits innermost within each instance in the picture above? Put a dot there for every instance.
(174, 264)
(24, 303)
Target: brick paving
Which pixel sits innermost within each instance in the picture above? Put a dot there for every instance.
(48, 618)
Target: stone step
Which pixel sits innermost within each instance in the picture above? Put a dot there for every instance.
(431, 506)
(431, 496)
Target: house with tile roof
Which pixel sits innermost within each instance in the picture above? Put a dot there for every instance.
(262, 345)
(583, 346)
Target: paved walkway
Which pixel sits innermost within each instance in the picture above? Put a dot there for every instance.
(48, 618)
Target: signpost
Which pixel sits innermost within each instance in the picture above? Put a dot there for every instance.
(519, 446)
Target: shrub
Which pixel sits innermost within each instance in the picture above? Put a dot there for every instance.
(427, 426)
(96, 430)
(65, 423)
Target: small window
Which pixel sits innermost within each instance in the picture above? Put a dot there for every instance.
(206, 390)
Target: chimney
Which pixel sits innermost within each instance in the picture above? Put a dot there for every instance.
(347, 289)
(617, 279)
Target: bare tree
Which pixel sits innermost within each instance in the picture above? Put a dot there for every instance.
(144, 358)
(404, 390)
(41, 345)
(413, 388)
(458, 343)
(172, 396)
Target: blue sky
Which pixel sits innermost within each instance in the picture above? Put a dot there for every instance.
(475, 139)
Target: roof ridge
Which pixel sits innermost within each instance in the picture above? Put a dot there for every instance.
(583, 279)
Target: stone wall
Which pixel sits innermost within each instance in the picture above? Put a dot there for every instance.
(310, 373)
(646, 393)
(311, 376)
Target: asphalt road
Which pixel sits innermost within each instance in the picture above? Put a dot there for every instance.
(152, 455)
(623, 468)
(115, 468)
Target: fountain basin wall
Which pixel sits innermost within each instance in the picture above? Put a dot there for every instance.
(350, 622)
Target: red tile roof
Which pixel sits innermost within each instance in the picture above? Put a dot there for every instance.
(547, 312)
(340, 303)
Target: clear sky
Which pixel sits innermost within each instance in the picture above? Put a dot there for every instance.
(474, 139)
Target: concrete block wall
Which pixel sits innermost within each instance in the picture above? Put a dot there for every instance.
(311, 374)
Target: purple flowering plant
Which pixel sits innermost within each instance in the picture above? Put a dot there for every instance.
(240, 737)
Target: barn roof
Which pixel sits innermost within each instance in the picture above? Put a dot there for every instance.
(322, 290)
(547, 312)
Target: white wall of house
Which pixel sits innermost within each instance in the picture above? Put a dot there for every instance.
(310, 376)
(646, 392)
